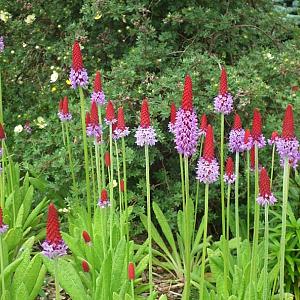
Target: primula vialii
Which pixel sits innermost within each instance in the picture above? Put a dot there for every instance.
(203, 125)
(172, 121)
(98, 94)
(121, 129)
(2, 45)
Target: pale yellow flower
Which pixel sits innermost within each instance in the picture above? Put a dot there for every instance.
(53, 89)
(68, 82)
(98, 16)
(29, 19)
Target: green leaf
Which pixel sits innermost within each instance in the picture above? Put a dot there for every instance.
(20, 216)
(13, 237)
(21, 292)
(38, 283)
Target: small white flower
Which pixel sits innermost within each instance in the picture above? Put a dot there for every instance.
(18, 129)
(54, 77)
(269, 56)
(30, 19)
(24, 45)
(4, 16)
(115, 183)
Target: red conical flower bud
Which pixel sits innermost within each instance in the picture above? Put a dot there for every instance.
(223, 89)
(229, 166)
(131, 271)
(107, 159)
(110, 112)
(237, 122)
(94, 114)
(77, 63)
(87, 119)
(65, 108)
(122, 185)
(86, 236)
(209, 153)
(264, 183)
(121, 121)
(104, 196)
(85, 266)
(247, 136)
(53, 233)
(173, 113)
(256, 125)
(252, 158)
(145, 116)
(187, 96)
(1, 217)
(203, 124)
(97, 83)
(274, 135)
(61, 105)
(288, 131)
(2, 132)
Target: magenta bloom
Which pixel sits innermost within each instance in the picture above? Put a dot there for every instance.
(223, 103)
(145, 134)
(120, 130)
(98, 94)
(64, 114)
(103, 201)
(256, 134)
(208, 167)
(93, 128)
(248, 141)
(265, 196)
(237, 136)
(186, 126)
(2, 46)
(78, 74)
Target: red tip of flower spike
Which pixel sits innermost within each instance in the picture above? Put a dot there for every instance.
(264, 183)
(85, 266)
(53, 232)
(229, 166)
(274, 135)
(86, 236)
(121, 120)
(131, 271)
(110, 112)
(77, 57)
(187, 96)
(122, 185)
(237, 122)
(256, 125)
(288, 131)
(94, 113)
(252, 158)
(104, 195)
(87, 119)
(1, 217)
(97, 83)
(209, 153)
(61, 105)
(203, 124)
(65, 107)
(107, 159)
(173, 113)
(223, 82)
(145, 116)
(2, 132)
(247, 136)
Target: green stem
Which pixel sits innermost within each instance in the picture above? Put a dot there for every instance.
(204, 243)
(102, 152)
(125, 198)
(93, 174)
(228, 211)
(63, 133)
(149, 222)
(70, 155)
(222, 175)
(119, 188)
(3, 175)
(111, 187)
(236, 198)
(182, 181)
(132, 289)
(266, 256)
(248, 195)
(187, 235)
(97, 171)
(57, 289)
(285, 192)
(272, 165)
(1, 105)
(86, 153)
(2, 267)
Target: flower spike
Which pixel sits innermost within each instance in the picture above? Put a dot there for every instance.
(265, 196)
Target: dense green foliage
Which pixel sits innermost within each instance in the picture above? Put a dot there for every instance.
(143, 49)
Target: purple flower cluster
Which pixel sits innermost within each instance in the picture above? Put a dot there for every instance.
(260, 142)
(54, 250)
(79, 78)
(202, 132)
(1, 44)
(103, 204)
(186, 132)
(27, 128)
(171, 127)
(207, 171)
(98, 97)
(229, 178)
(288, 148)
(272, 142)
(3, 227)
(119, 133)
(64, 117)
(223, 103)
(145, 136)
(248, 145)
(266, 200)
(94, 130)
(236, 140)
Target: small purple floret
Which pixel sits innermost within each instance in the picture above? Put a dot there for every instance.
(171, 127)
(27, 128)
(247, 146)
(79, 78)
(145, 136)
(98, 97)
(266, 200)
(64, 117)
(229, 178)
(223, 103)
(54, 250)
(94, 130)
(288, 148)
(207, 171)
(4, 227)
(118, 133)
(186, 132)
(1, 44)
(110, 122)
(202, 132)
(103, 204)
(236, 140)
(260, 142)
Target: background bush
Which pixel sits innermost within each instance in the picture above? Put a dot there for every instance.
(144, 49)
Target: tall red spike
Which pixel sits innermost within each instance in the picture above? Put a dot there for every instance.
(61, 105)
(229, 166)
(87, 119)
(110, 112)
(237, 122)
(121, 119)
(77, 57)
(223, 88)
(187, 96)
(94, 113)
(264, 183)
(256, 125)
(247, 136)
(65, 105)
(53, 232)
(97, 83)
(145, 116)
(173, 113)
(2, 132)
(209, 153)
(203, 124)
(288, 130)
